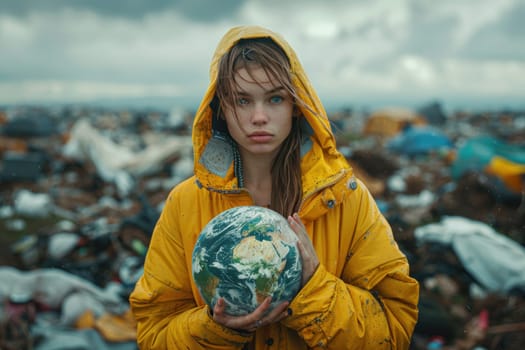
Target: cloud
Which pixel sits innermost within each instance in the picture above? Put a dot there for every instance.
(354, 51)
(199, 10)
(499, 40)
(69, 45)
(59, 91)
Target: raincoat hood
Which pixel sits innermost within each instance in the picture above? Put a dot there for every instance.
(321, 163)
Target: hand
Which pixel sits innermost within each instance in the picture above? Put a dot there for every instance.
(308, 254)
(250, 322)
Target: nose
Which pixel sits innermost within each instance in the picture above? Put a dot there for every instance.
(259, 115)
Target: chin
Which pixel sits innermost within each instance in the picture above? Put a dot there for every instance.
(262, 149)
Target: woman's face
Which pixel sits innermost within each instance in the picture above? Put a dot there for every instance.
(262, 118)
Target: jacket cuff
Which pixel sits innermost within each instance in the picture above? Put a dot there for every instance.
(305, 307)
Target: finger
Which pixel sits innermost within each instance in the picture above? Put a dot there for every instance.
(260, 311)
(218, 309)
(306, 249)
(297, 226)
(247, 322)
(256, 318)
(302, 250)
(278, 313)
(299, 221)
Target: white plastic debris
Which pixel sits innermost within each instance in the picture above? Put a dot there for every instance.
(6, 211)
(15, 224)
(177, 118)
(32, 204)
(183, 168)
(396, 183)
(51, 287)
(65, 225)
(8, 276)
(496, 261)
(151, 159)
(87, 144)
(62, 243)
(116, 163)
(76, 304)
(68, 339)
(423, 199)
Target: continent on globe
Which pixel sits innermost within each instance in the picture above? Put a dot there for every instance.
(244, 255)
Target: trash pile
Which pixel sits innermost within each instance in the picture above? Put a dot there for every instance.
(453, 190)
(81, 189)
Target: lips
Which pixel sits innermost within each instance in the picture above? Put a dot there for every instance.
(260, 136)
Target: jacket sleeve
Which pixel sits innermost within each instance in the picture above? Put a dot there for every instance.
(162, 301)
(373, 303)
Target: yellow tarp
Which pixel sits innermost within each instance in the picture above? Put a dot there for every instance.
(388, 122)
(512, 174)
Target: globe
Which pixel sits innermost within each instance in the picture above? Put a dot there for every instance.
(244, 255)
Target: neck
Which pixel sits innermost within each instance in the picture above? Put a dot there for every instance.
(257, 173)
(258, 179)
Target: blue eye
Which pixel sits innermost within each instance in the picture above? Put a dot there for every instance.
(276, 99)
(242, 101)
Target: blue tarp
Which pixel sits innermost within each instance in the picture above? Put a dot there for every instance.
(476, 153)
(419, 140)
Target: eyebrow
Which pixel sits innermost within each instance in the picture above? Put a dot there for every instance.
(269, 92)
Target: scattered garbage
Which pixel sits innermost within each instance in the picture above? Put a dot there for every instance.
(27, 166)
(433, 113)
(79, 198)
(30, 124)
(495, 261)
(117, 163)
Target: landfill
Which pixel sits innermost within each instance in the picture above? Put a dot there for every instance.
(81, 188)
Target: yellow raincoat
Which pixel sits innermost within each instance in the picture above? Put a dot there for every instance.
(360, 297)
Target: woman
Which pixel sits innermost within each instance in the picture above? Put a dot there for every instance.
(261, 137)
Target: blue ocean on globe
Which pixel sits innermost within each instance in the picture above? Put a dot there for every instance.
(245, 254)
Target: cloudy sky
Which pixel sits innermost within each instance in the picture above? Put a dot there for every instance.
(373, 52)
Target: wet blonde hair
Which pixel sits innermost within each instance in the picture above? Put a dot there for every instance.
(286, 168)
